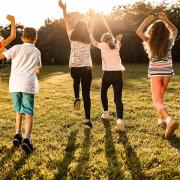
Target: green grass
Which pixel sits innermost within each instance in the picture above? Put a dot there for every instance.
(64, 150)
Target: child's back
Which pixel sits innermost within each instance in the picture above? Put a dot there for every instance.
(25, 58)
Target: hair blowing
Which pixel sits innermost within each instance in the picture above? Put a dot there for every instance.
(107, 38)
(158, 39)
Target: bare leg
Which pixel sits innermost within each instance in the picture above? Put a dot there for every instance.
(28, 125)
(18, 123)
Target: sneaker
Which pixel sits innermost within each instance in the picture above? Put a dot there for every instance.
(161, 123)
(77, 104)
(105, 115)
(27, 146)
(88, 124)
(120, 126)
(170, 129)
(17, 140)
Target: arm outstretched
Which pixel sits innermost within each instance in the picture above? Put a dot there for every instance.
(66, 20)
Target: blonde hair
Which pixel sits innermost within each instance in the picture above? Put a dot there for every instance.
(157, 42)
(108, 38)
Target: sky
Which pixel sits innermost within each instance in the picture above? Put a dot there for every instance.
(34, 12)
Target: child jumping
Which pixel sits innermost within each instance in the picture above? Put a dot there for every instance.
(80, 63)
(158, 41)
(7, 41)
(112, 75)
(23, 84)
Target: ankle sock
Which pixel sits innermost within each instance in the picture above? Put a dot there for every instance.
(27, 136)
(87, 120)
(167, 120)
(19, 131)
(120, 121)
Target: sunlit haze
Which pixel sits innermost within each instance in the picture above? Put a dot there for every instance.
(34, 12)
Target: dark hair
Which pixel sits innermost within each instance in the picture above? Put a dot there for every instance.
(107, 38)
(80, 33)
(158, 39)
(29, 33)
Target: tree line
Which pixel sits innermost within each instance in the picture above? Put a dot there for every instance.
(54, 44)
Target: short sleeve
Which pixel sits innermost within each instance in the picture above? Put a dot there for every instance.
(11, 53)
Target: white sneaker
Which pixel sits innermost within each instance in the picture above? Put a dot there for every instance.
(120, 125)
(105, 115)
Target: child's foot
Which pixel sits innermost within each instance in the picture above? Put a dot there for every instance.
(170, 129)
(17, 140)
(77, 104)
(27, 146)
(161, 123)
(120, 126)
(88, 124)
(105, 115)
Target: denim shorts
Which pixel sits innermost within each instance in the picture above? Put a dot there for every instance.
(23, 102)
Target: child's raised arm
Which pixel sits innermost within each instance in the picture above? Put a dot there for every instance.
(92, 26)
(66, 20)
(169, 24)
(140, 30)
(12, 36)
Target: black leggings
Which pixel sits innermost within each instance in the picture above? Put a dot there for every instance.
(83, 75)
(113, 78)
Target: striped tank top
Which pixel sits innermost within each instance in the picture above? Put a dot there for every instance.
(162, 67)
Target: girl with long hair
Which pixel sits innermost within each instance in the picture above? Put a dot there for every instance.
(158, 40)
(80, 62)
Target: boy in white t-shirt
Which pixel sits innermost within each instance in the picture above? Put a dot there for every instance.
(23, 84)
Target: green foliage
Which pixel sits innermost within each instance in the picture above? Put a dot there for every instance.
(55, 47)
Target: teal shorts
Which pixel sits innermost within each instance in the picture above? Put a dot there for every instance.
(23, 102)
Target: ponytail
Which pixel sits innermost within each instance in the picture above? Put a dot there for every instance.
(111, 44)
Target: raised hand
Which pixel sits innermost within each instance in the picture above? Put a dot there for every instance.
(10, 18)
(162, 16)
(62, 5)
(150, 18)
(119, 37)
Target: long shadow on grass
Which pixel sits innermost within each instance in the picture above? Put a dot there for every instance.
(81, 170)
(9, 153)
(68, 157)
(114, 165)
(132, 159)
(175, 142)
(17, 165)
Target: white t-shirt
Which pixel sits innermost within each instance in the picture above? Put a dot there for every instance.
(111, 60)
(80, 54)
(25, 58)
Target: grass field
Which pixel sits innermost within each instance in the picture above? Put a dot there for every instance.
(64, 150)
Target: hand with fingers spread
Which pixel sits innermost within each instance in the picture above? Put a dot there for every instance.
(150, 18)
(162, 16)
(62, 5)
(10, 18)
